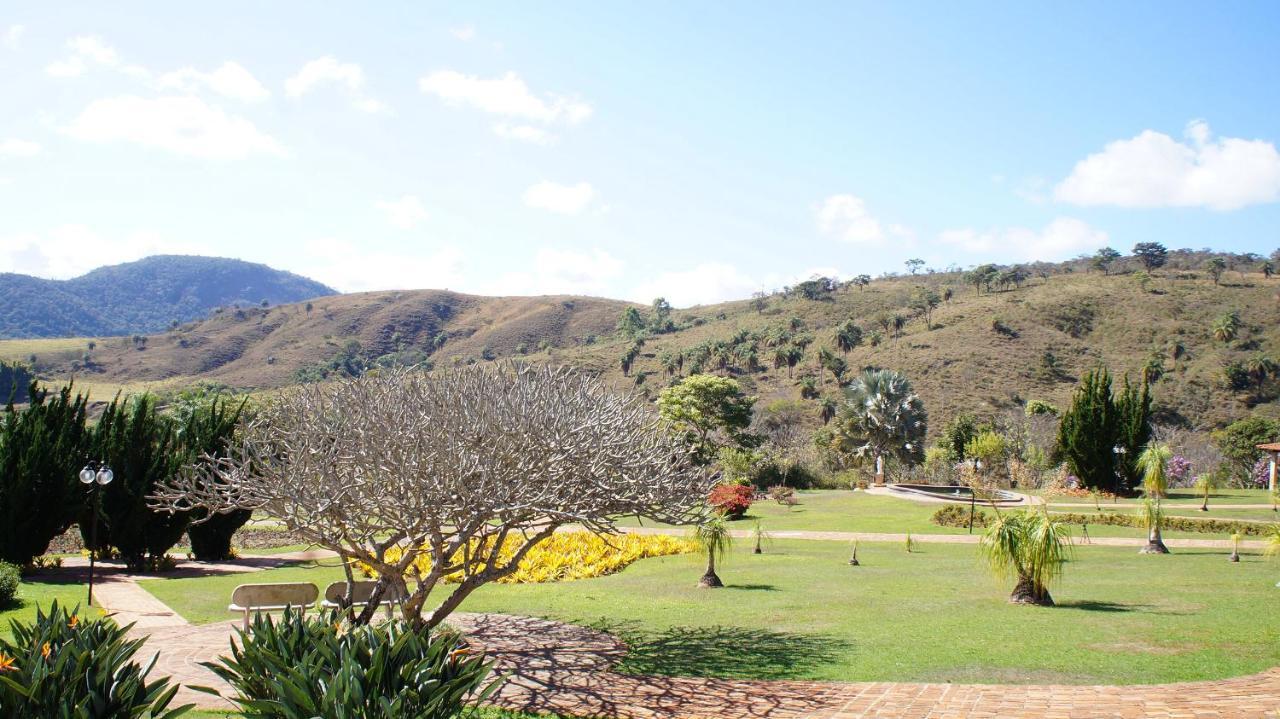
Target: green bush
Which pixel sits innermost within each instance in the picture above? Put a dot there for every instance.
(956, 515)
(10, 578)
(66, 667)
(322, 668)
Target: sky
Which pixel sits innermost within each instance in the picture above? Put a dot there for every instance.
(695, 151)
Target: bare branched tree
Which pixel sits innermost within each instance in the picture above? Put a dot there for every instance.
(444, 468)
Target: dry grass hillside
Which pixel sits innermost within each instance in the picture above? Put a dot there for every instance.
(985, 352)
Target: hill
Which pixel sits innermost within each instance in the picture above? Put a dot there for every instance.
(141, 297)
(982, 351)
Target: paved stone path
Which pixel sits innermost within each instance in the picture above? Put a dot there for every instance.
(567, 669)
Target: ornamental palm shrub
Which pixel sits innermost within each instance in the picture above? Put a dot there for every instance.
(65, 667)
(713, 540)
(1030, 548)
(322, 668)
(1153, 463)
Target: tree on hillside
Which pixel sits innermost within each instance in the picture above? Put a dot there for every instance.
(914, 265)
(454, 474)
(759, 302)
(1227, 327)
(832, 363)
(848, 335)
(1103, 258)
(15, 381)
(1268, 269)
(631, 323)
(982, 277)
(881, 417)
(1216, 266)
(925, 300)
(709, 411)
(1153, 255)
(660, 319)
(42, 448)
(861, 281)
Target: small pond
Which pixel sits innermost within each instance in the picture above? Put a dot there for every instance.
(955, 493)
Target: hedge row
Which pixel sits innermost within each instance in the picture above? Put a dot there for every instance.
(955, 515)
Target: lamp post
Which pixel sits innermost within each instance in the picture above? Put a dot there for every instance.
(973, 491)
(94, 476)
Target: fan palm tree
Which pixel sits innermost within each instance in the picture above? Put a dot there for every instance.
(1030, 548)
(1260, 367)
(1153, 463)
(713, 540)
(881, 415)
(1227, 327)
(848, 335)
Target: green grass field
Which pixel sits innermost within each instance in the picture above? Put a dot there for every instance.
(849, 511)
(40, 591)
(799, 611)
(1183, 496)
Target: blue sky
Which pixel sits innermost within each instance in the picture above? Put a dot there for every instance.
(699, 151)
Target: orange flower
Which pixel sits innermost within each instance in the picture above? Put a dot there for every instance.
(460, 651)
(46, 650)
(75, 619)
(6, 663)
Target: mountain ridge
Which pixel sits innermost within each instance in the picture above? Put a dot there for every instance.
(142, 297)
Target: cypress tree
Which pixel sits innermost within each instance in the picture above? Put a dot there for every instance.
(140, 445)
(207, 432)
(1088, 432)
(42, 449)
(1133, 430)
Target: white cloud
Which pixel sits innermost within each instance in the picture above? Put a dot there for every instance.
(347, 76)
(182, 125)
(465, 33)
(87, 50)
(563, 272)
(1061, 239)
(72, 250)
(563, 199)
(13, 147)
(229, 80)
(12, 36)
(846, 217)
(523, 133)
(506, 95)
(351, 267)
(404, 213)
(705, 284)
(1155, 170)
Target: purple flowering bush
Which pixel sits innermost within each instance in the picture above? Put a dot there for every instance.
(1261, 474)
(1178, 470)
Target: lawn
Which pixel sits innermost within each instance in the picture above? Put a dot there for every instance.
(799, 611)
(849, 511)
(1184, 496)
(39, 591)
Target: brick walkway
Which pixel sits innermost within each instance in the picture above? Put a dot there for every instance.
(567, 669)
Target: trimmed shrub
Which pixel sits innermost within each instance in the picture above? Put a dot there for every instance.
(65, 666)
(956, 515)
(10, 578)
(321, 668)
(731, 500)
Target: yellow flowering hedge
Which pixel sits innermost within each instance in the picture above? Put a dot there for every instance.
(567, 555)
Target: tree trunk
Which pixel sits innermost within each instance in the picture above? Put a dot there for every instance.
(710, 580)
(1028, 593)
(1155, 543)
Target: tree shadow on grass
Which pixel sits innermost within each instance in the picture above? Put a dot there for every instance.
(1091, 606)
(722, 652)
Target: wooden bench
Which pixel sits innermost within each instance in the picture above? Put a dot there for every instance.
(272, 597)
(336, 592)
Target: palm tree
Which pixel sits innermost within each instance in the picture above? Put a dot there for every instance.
(1227, 327)
(1206, 483)
(1029, 547)
(848, 335)
(1259, 367)
(713, 540)
(1155, 482)
(881, 415)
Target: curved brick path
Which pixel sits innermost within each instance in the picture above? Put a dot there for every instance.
(567, 669)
